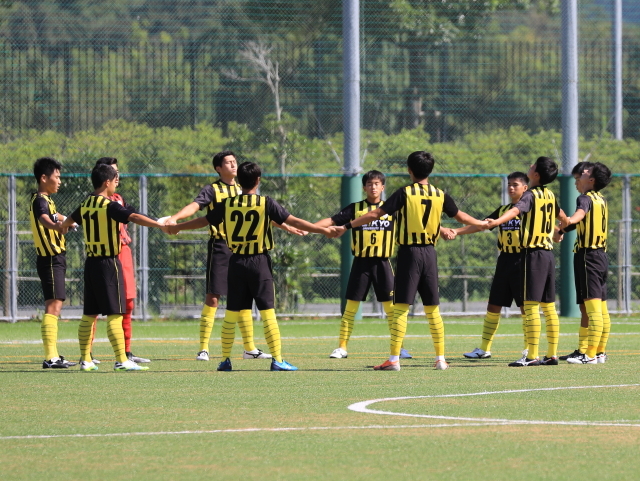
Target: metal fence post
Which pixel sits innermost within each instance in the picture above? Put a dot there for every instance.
(143, 264)
(626, 222)
(13, 251)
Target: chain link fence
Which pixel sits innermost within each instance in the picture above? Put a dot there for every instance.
(171, 269)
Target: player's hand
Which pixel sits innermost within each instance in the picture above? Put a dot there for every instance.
(448, 234)
(168, 220)
(336, 231)
(490, 224)
(565, 222)
(294, 230)
(557, 236)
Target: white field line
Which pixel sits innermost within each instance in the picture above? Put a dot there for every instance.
(417, 336)
(363, 407)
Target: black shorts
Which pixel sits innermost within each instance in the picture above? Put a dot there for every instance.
(506, 286)
(370, 270)
(104, 291)
(52, 271)
(417, 271)
(538, 271)
(250, 278)
(590, 268)
(218, 254)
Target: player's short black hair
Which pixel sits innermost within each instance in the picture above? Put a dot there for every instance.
(547, 169)
(101, 173)
(601, 174)
(248, 174)
(107, 161)
(45, 166)
(219, 157)
(373, 175)
(518, 176)
(421, 164)
(578, 169)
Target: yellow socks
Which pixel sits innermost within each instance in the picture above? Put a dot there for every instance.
(49, 331)
(85, 335)
(398, 328)
(228, 332)
(272, 333)
(491, 323)
(116, 336)
(524, 330)
(207, 318)
(346, 324)
(553, 327)
(583, 337)
(245, 323)
(532, 310)
(606, 328)
(594, 311)
(388, 310)
(436, 326)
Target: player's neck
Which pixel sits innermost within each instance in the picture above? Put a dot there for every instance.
(43, 191)
(374, 200)
(253, 191)
(228, 180)
(101, 191)
(424, 181)
(515, 199)
(535, 183)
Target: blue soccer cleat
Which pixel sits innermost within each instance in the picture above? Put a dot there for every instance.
(225, 365)
(282, 366)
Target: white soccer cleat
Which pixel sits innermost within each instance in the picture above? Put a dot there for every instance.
(88, 366)
(256, 354)
(477, 353)
(602, 357)
(583, 359)
(129, 366)
(338, 353)
(202, 356)
(441, 365)
(404, 354)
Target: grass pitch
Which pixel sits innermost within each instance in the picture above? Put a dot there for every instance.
(184, 420)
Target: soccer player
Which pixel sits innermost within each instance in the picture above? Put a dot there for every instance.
(51, 261)
(371, 245)
(419, 208)
(218, 253)
(126, 259)
(537, 208)
(104, 290)
(504, 287)
(583, 332)
(246, 222)
(590, 262)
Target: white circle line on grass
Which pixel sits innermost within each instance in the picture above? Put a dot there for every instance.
(363, 407)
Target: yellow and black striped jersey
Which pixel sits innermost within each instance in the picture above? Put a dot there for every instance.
(375, 239)
(47, 242)
(591, 231)
(100, 219)
(538, 208)
(245, 221)
(508, 232)
(419, 210)
(213, 194)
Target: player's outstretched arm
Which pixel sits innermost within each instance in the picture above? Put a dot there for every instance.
(466, 219)
(468, 229)
(447, 234)
(190, 225)
(289, 229)
(145, 221)
(328, 222)
(565, 221)
(186, 211)
(506, 217)
(307, 226)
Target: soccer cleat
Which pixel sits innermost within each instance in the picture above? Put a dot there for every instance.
(602, 357)
(225, 365)
(67, 363)
(129, 366)
(282, 366)
(88, 366)
(95, 361)
(132, 357)
(202, 356)
(256, 354)
(477, 353)
(54, 363)
(404, 354)
(388, 366)
(525, 362)
(575, 353)
(583, 359)
(338, 353)
(549, 361)
(441, 365)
